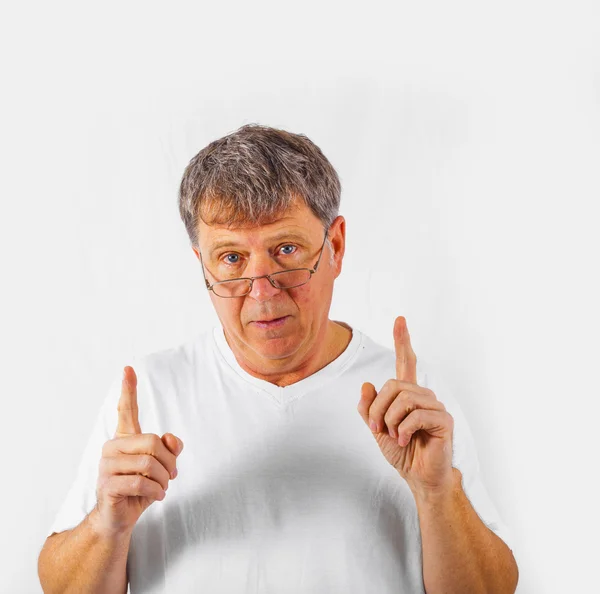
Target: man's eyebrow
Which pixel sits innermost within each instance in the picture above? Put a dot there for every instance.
(285, 234)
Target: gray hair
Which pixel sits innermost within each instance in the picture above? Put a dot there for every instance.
(252, 176)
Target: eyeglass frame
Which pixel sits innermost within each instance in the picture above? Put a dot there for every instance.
(253, 278)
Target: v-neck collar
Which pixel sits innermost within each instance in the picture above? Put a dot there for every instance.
(286, 394)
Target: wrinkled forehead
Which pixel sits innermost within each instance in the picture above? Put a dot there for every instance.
(296, 224)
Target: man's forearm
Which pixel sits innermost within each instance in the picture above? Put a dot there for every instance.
(85, 562)
(460, 553)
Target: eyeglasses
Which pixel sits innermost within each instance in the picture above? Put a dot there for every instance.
(285, 279)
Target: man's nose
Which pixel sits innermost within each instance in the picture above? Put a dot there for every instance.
(262, 289)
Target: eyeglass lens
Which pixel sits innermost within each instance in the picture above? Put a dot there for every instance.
(285, 279)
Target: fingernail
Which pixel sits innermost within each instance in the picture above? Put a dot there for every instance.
(174, 474)
(373, 426)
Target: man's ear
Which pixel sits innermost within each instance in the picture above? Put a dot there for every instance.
(338, 242)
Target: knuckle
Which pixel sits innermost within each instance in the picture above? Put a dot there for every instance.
(146, 462)
(414, 418)
(389, 385)
(408, 402)
(155, 443)
(137, 482)
(388, 418)
(110, 486)
(374, 413)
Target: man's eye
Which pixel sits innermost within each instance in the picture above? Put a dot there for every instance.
(236, 260)
(229, 261)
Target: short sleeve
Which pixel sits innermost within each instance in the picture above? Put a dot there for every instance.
(81, 497)
(464, 457)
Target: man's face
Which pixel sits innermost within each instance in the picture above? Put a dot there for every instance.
(293, 241)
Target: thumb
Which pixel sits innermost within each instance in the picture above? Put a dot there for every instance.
(368, 393)
(173, 443)
(128, 423)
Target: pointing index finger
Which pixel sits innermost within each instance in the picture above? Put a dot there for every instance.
(406, 360)
(128, 423)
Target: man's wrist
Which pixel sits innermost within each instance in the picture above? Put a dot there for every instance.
(102, 532)
(441, 495)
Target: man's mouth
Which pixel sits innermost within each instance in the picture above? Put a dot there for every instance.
(271, 323)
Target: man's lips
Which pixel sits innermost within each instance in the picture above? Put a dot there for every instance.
(271, 320)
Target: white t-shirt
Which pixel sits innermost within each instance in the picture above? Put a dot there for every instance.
(280, 489)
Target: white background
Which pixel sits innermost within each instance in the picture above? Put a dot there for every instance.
(466, 136)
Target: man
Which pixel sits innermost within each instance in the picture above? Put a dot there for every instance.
(283, 485)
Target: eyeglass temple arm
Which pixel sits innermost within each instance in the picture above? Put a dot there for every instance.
(320, 254)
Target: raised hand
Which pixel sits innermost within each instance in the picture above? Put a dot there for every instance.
(411, 426)
(135, 467)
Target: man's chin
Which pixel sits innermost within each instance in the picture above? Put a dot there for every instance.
(278, 346)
